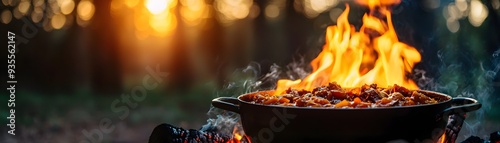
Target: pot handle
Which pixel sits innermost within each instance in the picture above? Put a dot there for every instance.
(227, 103)
(463, 105)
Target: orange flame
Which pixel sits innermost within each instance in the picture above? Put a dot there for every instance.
(238, 136)
(354, 58)
(372, 4)
(442, 139)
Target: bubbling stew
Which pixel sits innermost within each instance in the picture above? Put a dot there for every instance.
(334, 96)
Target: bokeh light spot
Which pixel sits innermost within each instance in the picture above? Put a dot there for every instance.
(67, 7)
(452, 25)
(85, 10)
(495, 4)
(478, 13)
(37, 15)
(38, 3)
(6, 2)
(17, 14)
(58, 21)
(156, 6)
(254, 11)
(461, 5)
(6, 16)
(24, 6)
(453, 11)
(272, 11)
(231, 10)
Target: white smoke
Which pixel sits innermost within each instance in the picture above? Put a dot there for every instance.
(246, 80)
(459, 80)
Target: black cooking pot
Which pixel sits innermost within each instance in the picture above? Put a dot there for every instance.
(286, 124)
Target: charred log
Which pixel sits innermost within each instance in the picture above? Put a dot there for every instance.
(495, 137)
(453, 127)
(166, 133)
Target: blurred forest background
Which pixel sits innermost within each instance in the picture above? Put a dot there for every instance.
(79, 56)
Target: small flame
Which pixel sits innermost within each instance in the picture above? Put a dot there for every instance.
(442, 139)
(373, 4)
(238, 136)
(354, 58)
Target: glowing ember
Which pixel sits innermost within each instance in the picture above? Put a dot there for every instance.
(354, 58)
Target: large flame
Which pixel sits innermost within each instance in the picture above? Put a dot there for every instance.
(354, 58)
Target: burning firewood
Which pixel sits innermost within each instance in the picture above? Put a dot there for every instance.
(166, 133)
(453, 127)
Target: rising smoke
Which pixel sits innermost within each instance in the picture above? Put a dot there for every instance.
(463, 79)
(246, 80)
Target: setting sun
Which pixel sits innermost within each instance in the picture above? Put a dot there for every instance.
(156, 6)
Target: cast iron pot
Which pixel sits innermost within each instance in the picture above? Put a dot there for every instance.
(285, 124)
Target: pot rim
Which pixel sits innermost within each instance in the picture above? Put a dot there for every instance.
(448, 99)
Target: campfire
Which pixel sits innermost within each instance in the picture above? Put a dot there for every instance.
(166, 133)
